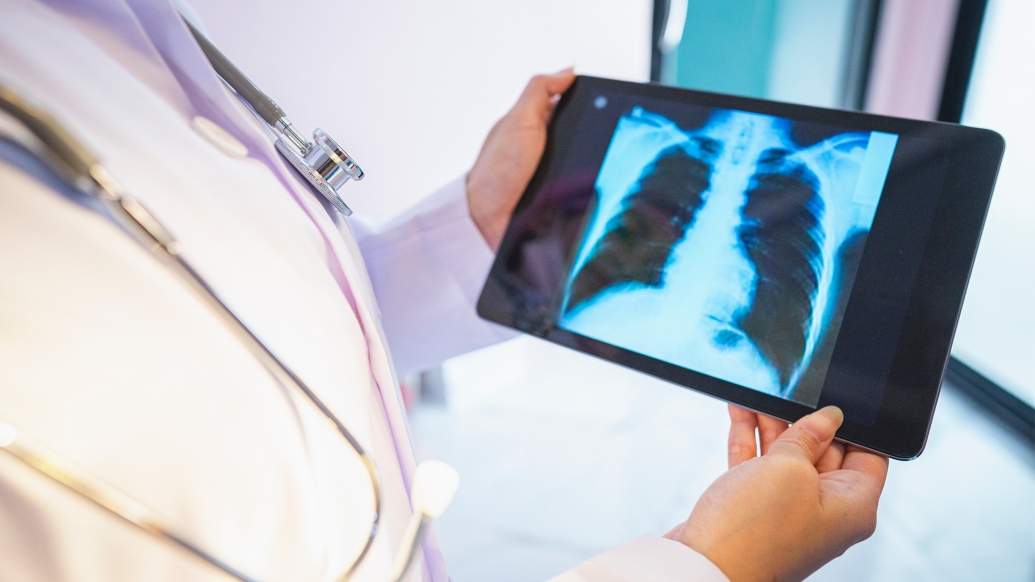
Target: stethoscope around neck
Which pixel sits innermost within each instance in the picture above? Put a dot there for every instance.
(434, 483)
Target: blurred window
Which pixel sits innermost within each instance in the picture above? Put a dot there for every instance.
(812, 52)
(996, 334)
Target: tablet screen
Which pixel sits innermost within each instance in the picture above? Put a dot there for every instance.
(727, 245)
(777, 256)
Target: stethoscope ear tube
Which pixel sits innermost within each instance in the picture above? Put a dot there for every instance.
(49, 463)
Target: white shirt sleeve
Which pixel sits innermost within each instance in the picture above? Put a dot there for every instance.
(427, 268)
(648, 559)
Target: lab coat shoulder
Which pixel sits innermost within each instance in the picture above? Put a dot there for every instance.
(648, 558)
(427, 268)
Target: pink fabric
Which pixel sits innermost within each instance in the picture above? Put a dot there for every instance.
(910, 56)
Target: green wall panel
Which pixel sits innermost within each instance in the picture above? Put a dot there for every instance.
(727, 46)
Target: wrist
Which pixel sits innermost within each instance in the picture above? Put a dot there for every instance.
(485, 220)
(686, 535)
(704, 544)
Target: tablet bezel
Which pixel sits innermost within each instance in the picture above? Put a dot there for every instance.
(911, 391)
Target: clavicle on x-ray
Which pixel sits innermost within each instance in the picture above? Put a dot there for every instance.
(327, 167)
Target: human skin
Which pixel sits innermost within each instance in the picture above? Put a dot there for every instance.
(510, 155)
(774, 517)
(782, 515)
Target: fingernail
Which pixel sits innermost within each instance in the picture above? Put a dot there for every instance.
(824, 422)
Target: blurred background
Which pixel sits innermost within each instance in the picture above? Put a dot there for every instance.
(563, 456)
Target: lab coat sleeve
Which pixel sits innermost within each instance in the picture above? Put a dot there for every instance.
(647, 559)
(427, 268)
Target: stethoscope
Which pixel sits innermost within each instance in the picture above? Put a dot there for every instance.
(327, 167)
(321, 162)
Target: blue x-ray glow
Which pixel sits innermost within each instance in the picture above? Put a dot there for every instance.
(726, 249)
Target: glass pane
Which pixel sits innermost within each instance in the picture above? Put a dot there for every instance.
(787, 50)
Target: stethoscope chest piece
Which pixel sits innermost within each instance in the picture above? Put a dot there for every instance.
(323, 164)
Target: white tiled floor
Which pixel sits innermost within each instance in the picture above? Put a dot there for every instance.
(562, 456)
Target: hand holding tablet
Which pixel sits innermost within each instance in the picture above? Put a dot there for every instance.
(820, 498)
(779, 257)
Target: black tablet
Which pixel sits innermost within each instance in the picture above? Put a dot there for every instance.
(780, 257)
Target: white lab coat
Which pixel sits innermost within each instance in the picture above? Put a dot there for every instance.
(108, 358)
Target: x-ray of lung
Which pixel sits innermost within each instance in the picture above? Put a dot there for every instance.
(727, 249)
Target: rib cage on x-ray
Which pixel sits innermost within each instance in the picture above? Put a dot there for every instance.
(782, 238)
(640, 239)
(719, 254)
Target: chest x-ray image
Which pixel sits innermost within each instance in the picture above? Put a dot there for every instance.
(727, 249)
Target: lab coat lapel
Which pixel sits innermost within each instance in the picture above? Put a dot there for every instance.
(192, 71)
(113, 27)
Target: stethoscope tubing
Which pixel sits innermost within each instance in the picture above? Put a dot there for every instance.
(80, 168)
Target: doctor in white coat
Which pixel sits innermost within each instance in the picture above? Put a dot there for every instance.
(114, 363)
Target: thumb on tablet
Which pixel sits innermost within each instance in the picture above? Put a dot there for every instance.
(810, 436)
